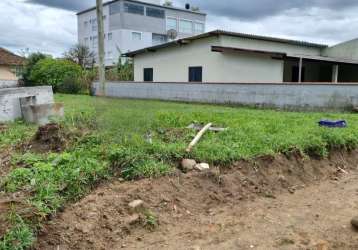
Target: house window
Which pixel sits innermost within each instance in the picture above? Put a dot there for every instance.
(110, 36)
(134, 8)
(195, 74)
(199, 28)
(153, 12)
(136, 36)
(185, 26)
(115, 8)
(172, 23)
(148, 74)
(158, 39)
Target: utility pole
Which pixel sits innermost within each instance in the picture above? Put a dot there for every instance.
(101, 67)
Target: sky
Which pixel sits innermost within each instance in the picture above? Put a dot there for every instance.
(50, 26)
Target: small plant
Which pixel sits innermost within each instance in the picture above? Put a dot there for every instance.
(150, 220)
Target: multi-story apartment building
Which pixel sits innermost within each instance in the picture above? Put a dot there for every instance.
(131, 25)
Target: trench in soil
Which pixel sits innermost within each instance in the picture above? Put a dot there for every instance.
(280, 202)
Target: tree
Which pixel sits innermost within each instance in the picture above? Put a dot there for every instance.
(81, 55)
(30, 63)
(168, 3)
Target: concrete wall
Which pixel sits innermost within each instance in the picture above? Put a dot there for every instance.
(10, 100)
(6, 73)
(8, 83)
(286, 96)
(172, 64)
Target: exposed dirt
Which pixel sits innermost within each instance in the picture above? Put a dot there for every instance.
(48, 138)
(283, 202)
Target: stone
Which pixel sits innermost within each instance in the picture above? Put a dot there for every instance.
(354, 222)
(202, 166)
(136, 205)
(133, 219)
(187, 165)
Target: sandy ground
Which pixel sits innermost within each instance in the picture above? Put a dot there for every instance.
(281, 203)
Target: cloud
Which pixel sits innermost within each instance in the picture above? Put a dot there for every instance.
(72, 5)
(36, 27)
(50, 26)
(253, 10)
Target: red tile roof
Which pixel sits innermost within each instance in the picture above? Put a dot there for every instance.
(9, 58)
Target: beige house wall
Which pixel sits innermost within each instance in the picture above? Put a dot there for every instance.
(346, 50)
(6, 73)
(254, 44)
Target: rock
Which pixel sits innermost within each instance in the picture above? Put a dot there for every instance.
(133, 219)
(354, 222)
(136, 205)
(322, 245)
(187, 165)
(202, 166)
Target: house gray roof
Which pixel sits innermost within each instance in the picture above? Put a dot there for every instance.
(150, 4)
(226, 33)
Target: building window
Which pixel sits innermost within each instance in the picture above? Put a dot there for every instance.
(94, 42)
(148, 74)
(115, 8)
(199, 28)
(172, 23)
(296, 72)
(134, 8)
(94, 24)
(86, 24)
(153, 12)
(136, 36)
(110, 36)
(195, 74)
(158, 39)
(86, 41)
(185, 26)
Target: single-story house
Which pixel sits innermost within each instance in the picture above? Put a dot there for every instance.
(222, 56)
(10, 65)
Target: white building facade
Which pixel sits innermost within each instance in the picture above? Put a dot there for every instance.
(131, 25)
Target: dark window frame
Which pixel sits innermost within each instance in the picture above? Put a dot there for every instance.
(152, 10)
(135, 9)
(196, 74)
(148, 74)
(115, 8)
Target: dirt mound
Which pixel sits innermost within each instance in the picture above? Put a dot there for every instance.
(3, 127)
(192, 208)
(48, 138)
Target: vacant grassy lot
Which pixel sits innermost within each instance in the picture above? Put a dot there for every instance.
(137, 138)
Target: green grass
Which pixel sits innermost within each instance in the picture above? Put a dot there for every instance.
(116, 142)
(250, 132)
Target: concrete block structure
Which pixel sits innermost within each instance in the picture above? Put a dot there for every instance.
(291, 96)
(222, 56)
(131, 25)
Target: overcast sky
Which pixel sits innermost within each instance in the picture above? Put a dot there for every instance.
(50, 26)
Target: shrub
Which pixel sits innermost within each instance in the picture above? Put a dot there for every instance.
(53, 72)
(71, 85)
